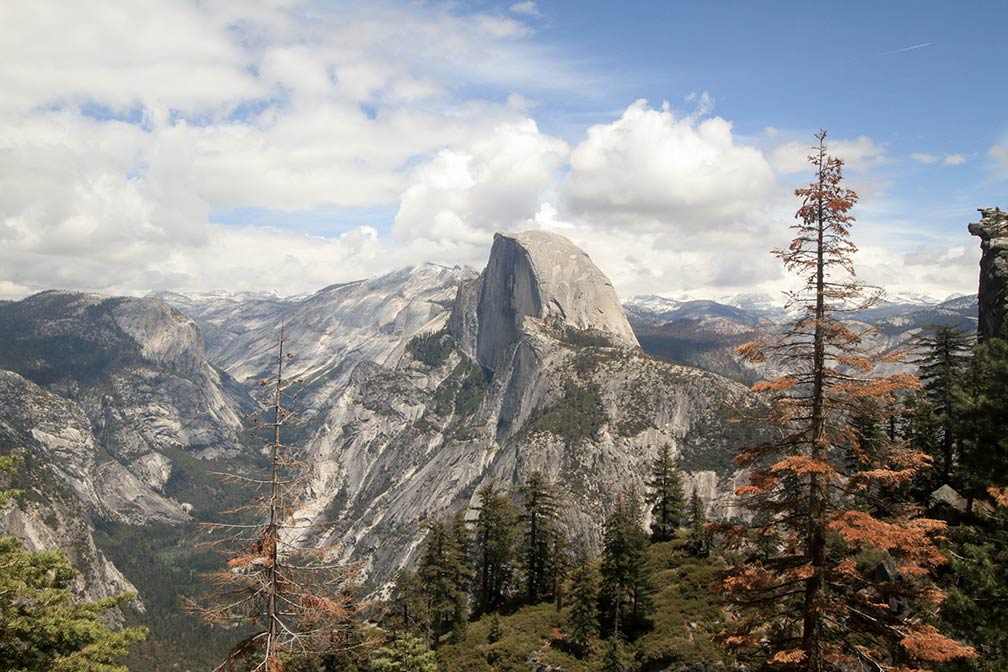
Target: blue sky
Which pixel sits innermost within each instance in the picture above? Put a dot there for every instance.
(176, 144)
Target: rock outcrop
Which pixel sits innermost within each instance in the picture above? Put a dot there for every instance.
(103, 398)
(541, 275)
(992, 230)
(528, 366)
(330, 330)
(67, 480)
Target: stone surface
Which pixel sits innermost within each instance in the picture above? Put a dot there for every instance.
(947, 495)
(992, 229)
(402, 441)
(100, 396)
(542, 275)
(391, 440)
(330, 330)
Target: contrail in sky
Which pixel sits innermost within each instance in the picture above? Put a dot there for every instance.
(897, 51)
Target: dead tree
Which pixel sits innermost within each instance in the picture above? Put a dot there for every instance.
(295, 601)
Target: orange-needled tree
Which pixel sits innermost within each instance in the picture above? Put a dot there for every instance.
(846, 582)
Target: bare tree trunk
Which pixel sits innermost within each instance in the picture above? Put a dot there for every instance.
(816, 538)
(275, 513)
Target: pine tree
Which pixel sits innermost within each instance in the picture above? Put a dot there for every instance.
(405, 653)
(666, 496)
(977, 604)
(983, 410)
(444, 577)
(496, 630)
(625, 588)
(819, 602)
(944, 360)
(583, 622)
(543, 543)
(976, 607)
(698, 543)
(407, 605)
(293, 598)
(494, 549)
(613, 661)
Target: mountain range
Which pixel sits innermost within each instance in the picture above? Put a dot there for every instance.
(419, 386)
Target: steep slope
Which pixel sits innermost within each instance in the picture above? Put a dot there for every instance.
(536, 370)
(541, 275)
(333, 329)
(104, 399)
(64, 478)
(137, 368)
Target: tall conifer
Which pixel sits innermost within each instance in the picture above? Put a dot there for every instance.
(583, 622)
(698, 543)
(543, 544)
(665, 494)
(625, 589)
(444, 574)
(494, 549)
(942, 364)
(847, 584)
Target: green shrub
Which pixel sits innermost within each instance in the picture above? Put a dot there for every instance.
(432, 349)
(578, 415)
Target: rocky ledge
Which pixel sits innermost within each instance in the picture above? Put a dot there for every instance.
(992, 230)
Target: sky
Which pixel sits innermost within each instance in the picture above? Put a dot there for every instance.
(288, 145)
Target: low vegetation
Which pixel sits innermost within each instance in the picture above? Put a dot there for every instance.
(578, 415)
(432, 349)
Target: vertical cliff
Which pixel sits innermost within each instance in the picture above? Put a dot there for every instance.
(992, 230)
(541, 275)
(539, 371)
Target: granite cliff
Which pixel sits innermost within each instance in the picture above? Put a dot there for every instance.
(532, 367)
(992, 229)
(102, 399)
(419, 386)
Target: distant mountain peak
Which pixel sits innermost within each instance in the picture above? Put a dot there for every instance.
(542, 275)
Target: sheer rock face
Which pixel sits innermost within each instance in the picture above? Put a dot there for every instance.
(406, 440)
(541, 275)
(67, 480)
(541, 372)
(992, 230)
(136, 367)
(102, 397)
(330, 330)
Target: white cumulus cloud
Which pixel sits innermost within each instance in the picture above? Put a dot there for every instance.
(654, 169)
(861, 153)
(494, 183)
